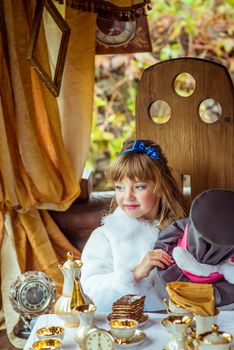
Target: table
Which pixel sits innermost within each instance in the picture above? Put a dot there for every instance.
(156, 335)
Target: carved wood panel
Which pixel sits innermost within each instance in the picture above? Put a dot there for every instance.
(205, 151)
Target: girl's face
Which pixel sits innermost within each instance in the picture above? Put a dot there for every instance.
(138, 199)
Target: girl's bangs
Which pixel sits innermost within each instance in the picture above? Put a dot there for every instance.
(134, 168)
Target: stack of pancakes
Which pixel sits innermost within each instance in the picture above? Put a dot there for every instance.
(129, 306)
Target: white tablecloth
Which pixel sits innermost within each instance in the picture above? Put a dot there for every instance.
(156, 335)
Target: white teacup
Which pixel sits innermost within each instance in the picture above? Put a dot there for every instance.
(47, 344)
(50, 332)
(123, 328)
(178, 326)
(204, 323)
(172, 308)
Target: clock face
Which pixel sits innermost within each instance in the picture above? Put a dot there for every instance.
(99, 339)
(34, 295)
(111, 31)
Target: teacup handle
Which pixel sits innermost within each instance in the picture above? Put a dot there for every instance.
(192, 342)
(166, 303)
(191, 330)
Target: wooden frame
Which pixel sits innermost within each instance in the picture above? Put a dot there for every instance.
(139, 41)
(53, 84)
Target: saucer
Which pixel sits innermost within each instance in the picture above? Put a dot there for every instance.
(136, 339)
(186, 313)
(144, 318)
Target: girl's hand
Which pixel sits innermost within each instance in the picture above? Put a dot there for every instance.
(153, 258)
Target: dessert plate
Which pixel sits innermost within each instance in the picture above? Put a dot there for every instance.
(141, 322)
(136, 339)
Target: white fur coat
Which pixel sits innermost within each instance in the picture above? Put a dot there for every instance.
(109, 256)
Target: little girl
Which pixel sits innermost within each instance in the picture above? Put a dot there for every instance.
(119, 258)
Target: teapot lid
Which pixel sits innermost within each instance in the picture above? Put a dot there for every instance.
(215, 337)
(70, 263)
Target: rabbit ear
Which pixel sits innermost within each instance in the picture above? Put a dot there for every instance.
(186, 261)
(227, 270)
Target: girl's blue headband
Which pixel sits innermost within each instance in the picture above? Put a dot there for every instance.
(140, 147)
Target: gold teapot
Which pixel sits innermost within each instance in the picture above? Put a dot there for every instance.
(72, 293)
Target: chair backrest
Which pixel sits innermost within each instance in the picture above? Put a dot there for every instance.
(201, 150)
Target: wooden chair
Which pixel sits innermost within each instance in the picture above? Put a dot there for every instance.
(201, 151)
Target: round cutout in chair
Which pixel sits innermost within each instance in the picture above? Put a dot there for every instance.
(159, 112)
(210, 111)
(184, 84)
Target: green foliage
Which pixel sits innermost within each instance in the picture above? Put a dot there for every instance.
(193, 28)
(199, 28)
(169, 51)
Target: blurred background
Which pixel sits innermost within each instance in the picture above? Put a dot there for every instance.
(177, 28)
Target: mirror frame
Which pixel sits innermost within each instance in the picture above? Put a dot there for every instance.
(52, 84)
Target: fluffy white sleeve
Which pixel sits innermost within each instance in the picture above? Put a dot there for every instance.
(100, 280)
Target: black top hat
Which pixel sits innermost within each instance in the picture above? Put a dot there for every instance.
(211, 226)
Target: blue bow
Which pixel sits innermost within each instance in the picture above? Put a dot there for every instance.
(139, 146)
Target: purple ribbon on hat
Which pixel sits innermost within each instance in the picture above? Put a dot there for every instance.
(139, 146)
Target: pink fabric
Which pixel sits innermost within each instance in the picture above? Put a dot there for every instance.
(213, 277)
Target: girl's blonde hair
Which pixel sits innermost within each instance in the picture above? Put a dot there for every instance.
(139, 165)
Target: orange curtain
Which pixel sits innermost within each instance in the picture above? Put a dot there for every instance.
(43, 146)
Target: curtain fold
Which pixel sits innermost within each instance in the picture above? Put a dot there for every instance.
(43, 146)
(75, 101)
